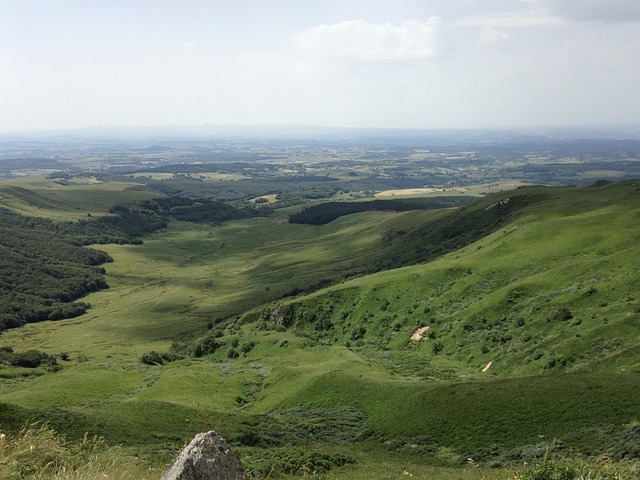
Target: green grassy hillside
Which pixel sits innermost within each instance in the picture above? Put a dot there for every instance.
(530, 297)
(49, 198)
(553, 290)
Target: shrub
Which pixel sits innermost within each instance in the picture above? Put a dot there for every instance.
(358, 333)
(562, 315)
(28, 359)
(205, 346)
(151, 358)
(296, 462)
(157, 358)
(247, 347)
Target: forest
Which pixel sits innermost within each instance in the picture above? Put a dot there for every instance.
(44, 271)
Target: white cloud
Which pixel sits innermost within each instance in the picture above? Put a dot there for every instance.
(189, 46)
(524, 18)
(544, 13)
(360, 40)
(609, 11)
(491, 36)
(566, 61)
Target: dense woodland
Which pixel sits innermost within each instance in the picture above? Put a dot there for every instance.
(201, 211)
(43, 273)
(327, 212)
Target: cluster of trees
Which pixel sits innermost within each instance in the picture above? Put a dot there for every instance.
(125, 224)
(28, 359)
(326, 212)
(42, 275)
(45, 269)
(159, 358)
(201, 211)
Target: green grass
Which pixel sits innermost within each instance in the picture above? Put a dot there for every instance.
(499, 299)
(190, 275)
(41, 197)
(503, 299)
(473, 416)
(40, 452)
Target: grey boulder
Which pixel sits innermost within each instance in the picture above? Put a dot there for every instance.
(207, 457)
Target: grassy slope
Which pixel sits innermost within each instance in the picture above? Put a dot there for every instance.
(497, 300)
(172, 286)
(576, 253)
(42, 197)
(509, 296)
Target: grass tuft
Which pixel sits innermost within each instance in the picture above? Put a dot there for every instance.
(38, 452)
(559, 468)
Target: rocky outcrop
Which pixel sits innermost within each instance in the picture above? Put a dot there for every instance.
(207, 457)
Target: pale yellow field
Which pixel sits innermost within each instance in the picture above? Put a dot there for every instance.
(268, 198)
(475, 190)
(421, 192)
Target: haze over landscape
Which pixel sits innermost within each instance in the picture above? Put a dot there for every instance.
(379, 63)
(358, 239)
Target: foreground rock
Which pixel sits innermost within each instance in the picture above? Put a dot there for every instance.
(207, 457)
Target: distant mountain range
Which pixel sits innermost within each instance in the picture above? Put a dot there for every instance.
(320, 133)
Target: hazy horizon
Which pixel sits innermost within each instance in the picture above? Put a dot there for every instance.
(401, 64)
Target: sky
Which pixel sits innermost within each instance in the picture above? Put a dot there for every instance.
(338, 63)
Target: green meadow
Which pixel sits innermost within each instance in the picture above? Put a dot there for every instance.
(532, 343)
(40, 197)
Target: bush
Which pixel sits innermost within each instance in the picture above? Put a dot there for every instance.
(247, 347)
(157, 358)
(28, 359)
(204, 346)
(151, 358)
(296, 462)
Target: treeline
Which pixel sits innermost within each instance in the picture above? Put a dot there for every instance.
(44, 268)
(301, 187)
(201, 211)
(242, 190)
(324, 213)
(42, 275)
(125, 224)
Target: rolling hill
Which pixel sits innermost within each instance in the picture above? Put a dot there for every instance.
(523, 307)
